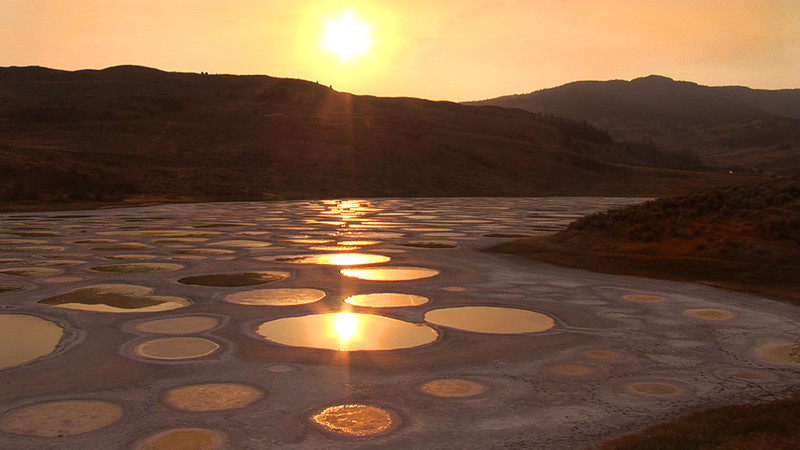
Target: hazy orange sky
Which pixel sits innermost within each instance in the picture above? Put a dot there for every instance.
(436, 49)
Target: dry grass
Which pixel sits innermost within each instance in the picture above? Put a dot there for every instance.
(735, 269)
(766, 426)
(745, 238)
(102, 137)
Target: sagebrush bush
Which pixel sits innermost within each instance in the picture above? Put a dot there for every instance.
(772, 209)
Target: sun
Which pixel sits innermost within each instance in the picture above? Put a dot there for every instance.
(346, 36)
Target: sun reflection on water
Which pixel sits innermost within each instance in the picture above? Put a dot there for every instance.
(347, 332)
(345, 328)
(333, 259)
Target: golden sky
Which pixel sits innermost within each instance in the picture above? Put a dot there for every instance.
(436, 49)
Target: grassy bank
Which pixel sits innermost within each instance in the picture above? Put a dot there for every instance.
(768, 426)
(743, 237)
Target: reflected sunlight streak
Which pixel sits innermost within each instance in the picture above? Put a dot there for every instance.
(345, 328)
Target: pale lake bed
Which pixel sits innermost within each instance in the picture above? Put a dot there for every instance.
(355, 323)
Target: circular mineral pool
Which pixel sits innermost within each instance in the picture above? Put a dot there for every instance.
(176, 348)
(138, 268)
(178, 325)
(124, 246)
(308, 241)
(643, 298)
(24, 338)
(60, 262)
(235, 279)
(35, 249)
(94, 241)
(335, 259)
(276, 297)
(131, 257)
(445, 234)
(189, 258)
(225, 225)
(389, 273)
(453, 388)
(575, 370)
(354, 420)
(179, 240)
(335, 248)
(430, 244)
(490, 319)
(709, 314)
(30, 271)
(6, 287)
(241, 243)
(22, 241)
(114, 298)
(454, 289)
(184, 438)
(656, 389)
(356, 243)
(780, 352)
(347, 332)
(213, 396)
(466, 221)
(604, 355)
(372, 235)
(157, 233)
(281, 368)
(61, 418)
(203, 251)
(386, 300)
(748, 375)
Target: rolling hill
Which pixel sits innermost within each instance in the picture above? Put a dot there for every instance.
(733, 127)
(130, 131)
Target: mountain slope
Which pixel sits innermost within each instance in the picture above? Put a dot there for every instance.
(783, 102)
(131, 130)
(734, 127)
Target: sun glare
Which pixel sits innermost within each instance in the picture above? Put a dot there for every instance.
(345, 328)
(346, 36)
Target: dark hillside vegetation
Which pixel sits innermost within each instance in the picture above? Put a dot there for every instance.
(123, 132)
(734, 127)
(764, 426)
(744, 237)
(770, 211)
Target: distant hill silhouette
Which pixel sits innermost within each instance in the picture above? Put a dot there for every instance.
(734, 127)
(135, 131)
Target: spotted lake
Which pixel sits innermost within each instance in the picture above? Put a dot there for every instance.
(348, 323)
